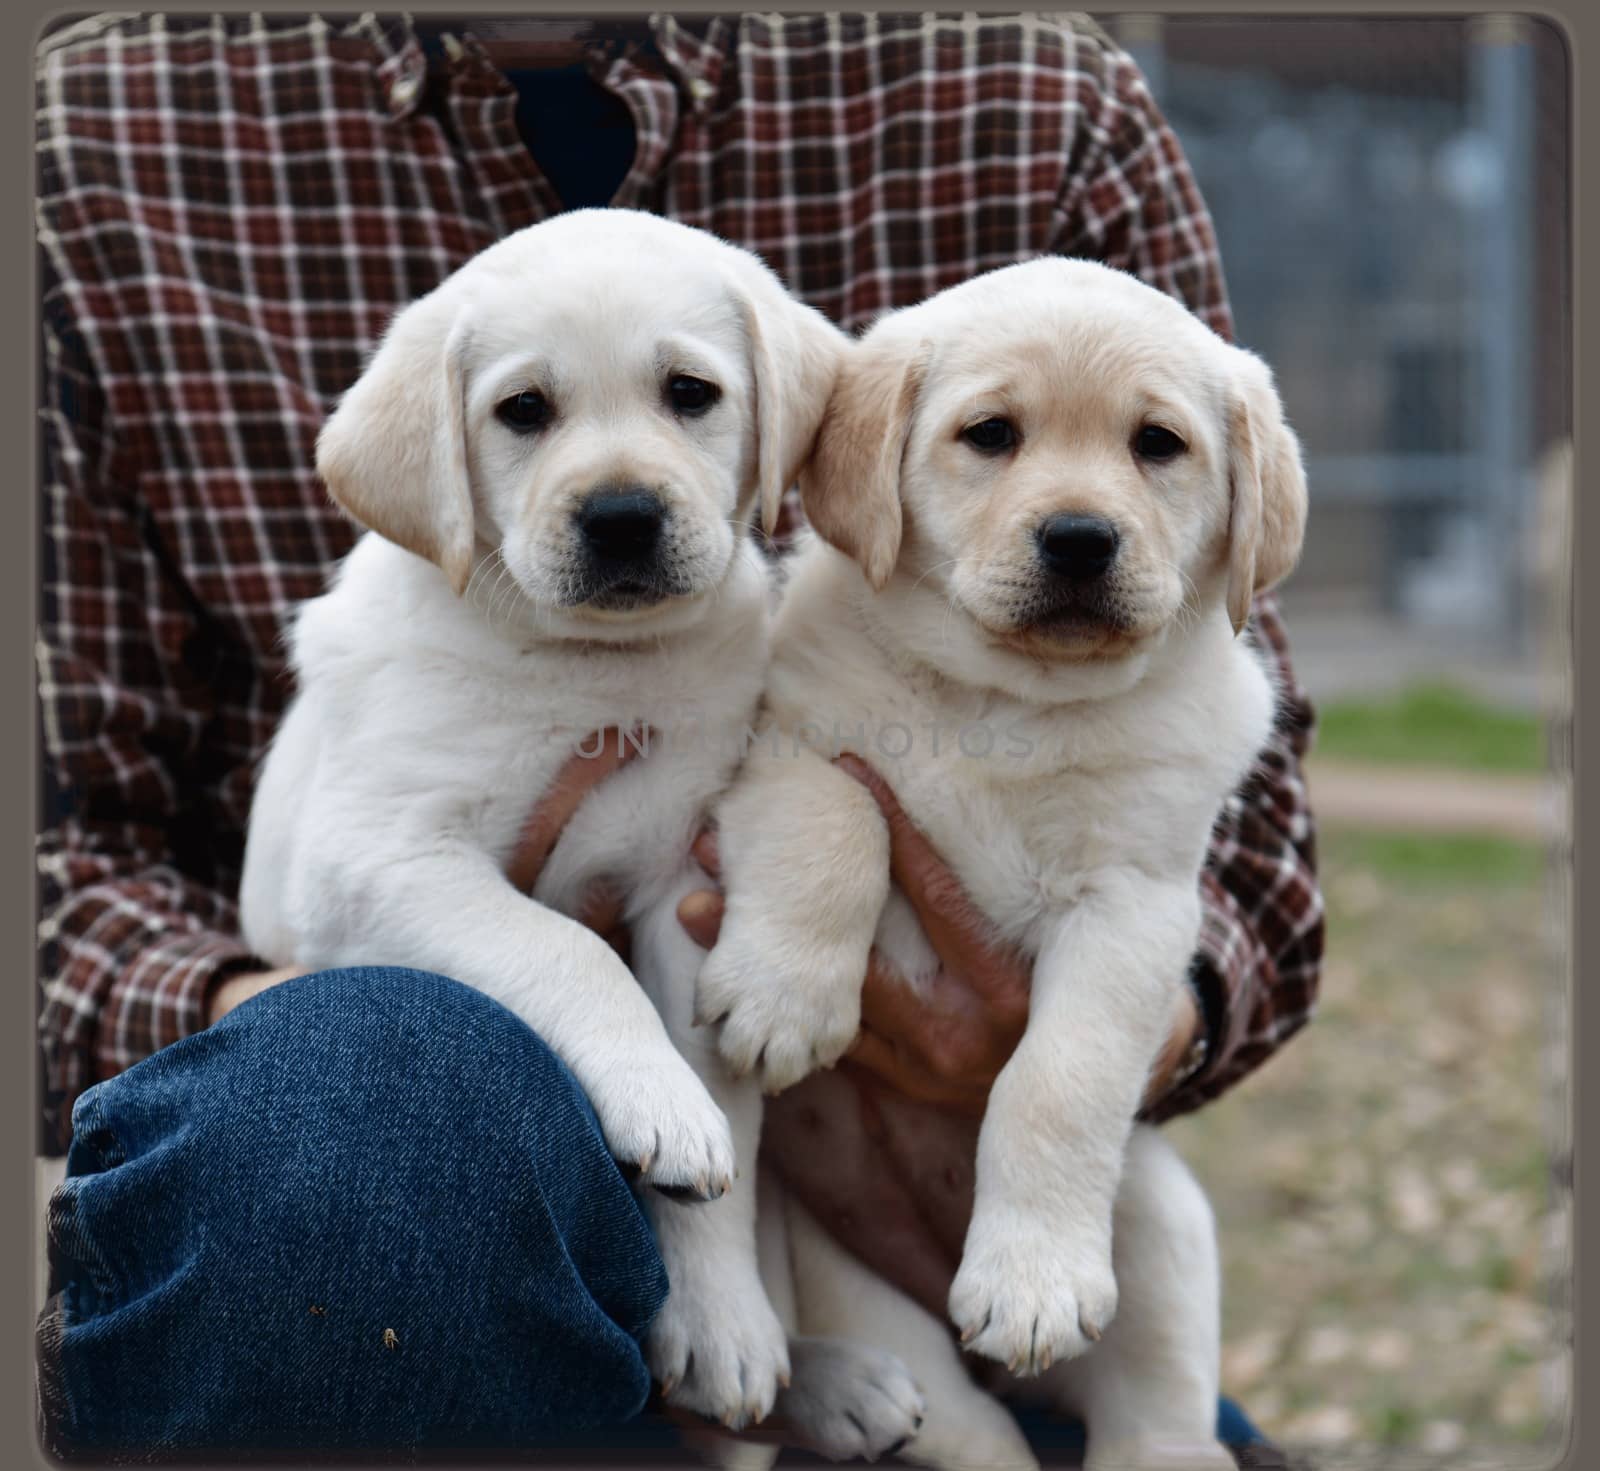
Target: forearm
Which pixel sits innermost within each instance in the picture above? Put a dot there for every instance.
(130, 952)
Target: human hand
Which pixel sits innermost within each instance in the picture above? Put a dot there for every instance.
(601, 909)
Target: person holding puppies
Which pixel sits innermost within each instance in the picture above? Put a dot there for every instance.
(231, 209)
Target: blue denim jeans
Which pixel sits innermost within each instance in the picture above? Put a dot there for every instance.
(368, 1207)
(367, 1210)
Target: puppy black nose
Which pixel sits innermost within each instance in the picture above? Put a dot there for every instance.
(1079, 547)
(622, 525)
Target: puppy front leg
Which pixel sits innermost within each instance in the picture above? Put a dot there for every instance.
(1036, 1282)
(1148, 1392)
(452, 911)
(805, 863)
(716, 1347)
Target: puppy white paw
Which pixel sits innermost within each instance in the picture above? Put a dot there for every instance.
(1030, 1293)
(719, 1351)
(662, 1127)
(783, 1011)
(848, 1401)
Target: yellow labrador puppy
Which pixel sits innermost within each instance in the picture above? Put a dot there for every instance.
(557, 452)
(1045, 499)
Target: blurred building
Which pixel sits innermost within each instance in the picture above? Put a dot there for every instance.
(1391, 198)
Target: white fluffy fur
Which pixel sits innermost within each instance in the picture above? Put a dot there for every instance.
(1080, 834)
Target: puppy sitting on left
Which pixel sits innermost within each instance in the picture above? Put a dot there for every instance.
(557, 452)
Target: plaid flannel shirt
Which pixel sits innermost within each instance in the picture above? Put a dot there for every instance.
(231, 208)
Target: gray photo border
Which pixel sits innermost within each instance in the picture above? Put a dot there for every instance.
(22, 23)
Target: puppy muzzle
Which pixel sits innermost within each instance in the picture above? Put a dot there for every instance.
(623, 551)
(1074, 586)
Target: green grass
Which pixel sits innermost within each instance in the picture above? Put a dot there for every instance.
(1433, 725)
(1398, 1424)
(1498, 1272)
(1527, 1173)
(1460, 860)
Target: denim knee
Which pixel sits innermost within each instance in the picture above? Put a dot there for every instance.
(368, 1207)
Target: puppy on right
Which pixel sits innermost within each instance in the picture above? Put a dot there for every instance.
(1043, 502)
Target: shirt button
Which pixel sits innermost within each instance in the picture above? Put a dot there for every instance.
(701, 90)
(404, 92)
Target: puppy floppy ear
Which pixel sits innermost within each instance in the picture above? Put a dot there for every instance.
(851, 489)
(795, 352)
(1267, 521)
(394, 452)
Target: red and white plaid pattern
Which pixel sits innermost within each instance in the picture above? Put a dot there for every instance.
(230, 210)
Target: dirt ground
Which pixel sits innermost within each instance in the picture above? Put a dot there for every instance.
(1528, 808)
(1391, 1188)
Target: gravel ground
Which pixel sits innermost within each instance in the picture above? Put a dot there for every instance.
(1391, 1189)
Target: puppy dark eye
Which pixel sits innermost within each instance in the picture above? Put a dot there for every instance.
(691, 395)
(1155, 443)
(525, 413)
(990, 435)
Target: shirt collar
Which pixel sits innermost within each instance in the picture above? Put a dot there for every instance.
(694, 52)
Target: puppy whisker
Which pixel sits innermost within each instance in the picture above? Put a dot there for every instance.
(485, 593)
(472, 588)
(944, 626)
(1187, 615)
(504, 584)
(948, 562)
